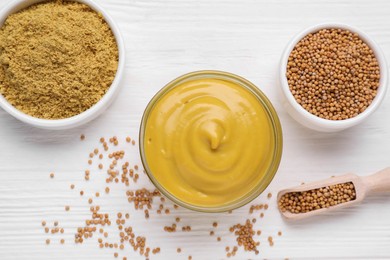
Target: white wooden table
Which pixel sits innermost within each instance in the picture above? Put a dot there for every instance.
(165, 39)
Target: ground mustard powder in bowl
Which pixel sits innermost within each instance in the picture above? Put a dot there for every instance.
(57, 59)
(210, 141)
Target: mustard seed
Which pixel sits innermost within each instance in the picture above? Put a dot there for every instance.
(72, 186)
(43, 223)
(82, 137)
(270, 241)
(47, 241)
(52, 175)
(62, 241)
(67, 208)
(325, 197)
(244, 238)
(333, 74)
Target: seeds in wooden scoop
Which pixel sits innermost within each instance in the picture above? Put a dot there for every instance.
(305, 201)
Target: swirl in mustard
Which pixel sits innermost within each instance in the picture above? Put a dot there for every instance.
(208, 142)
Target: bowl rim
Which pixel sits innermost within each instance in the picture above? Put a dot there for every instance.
(94, 111)
(326, 123)
(274, 119)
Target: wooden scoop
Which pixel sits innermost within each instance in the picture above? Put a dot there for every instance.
(364, 185)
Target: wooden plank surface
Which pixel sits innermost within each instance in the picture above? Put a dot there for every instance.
(165, 39)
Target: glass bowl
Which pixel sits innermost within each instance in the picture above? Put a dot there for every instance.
(276, 133)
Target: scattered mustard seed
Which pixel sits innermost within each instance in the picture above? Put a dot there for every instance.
(245, 235)
(270, 241)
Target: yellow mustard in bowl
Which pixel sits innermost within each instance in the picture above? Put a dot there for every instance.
(210, 141)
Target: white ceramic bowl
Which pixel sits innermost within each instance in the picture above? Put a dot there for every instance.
(316, 123)
(95, 110)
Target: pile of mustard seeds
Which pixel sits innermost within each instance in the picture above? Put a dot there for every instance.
(301, 202)
(333, 74)
(57, 59)
(117, 232)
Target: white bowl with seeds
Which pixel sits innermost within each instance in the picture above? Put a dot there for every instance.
(332, 77)
(65, 72)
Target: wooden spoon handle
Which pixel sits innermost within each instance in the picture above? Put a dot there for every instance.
(378, 182)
